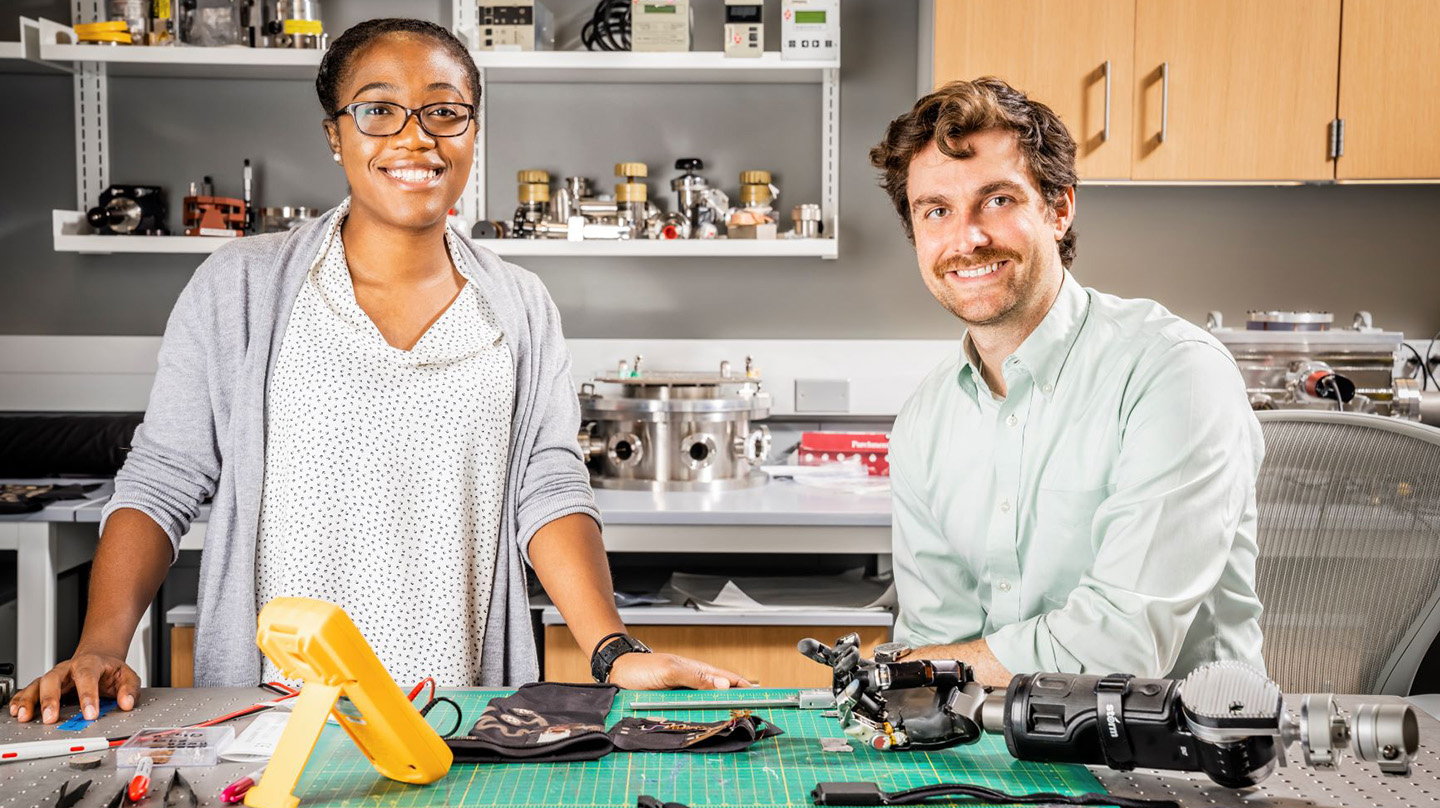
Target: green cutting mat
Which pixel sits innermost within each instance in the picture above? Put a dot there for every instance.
(775, 772)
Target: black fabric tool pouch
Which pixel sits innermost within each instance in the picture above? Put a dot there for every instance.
(542, 722)
(735, 734)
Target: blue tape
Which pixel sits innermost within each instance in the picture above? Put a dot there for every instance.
(77, 722)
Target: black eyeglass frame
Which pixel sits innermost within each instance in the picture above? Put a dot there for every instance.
(349, 109)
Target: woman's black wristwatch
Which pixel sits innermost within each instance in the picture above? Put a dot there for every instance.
(606, 652)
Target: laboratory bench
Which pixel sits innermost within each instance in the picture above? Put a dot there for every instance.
(778, 771)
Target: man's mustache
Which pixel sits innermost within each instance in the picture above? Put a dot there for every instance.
(979, 258)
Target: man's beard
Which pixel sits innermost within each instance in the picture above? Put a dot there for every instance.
(956, 304)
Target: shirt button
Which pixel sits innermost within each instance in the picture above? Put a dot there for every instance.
(1004, 585)
(1005, 505)
(1011, 420)
(1048, 388)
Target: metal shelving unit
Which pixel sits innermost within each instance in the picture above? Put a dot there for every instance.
(70, 236)
(49, 43)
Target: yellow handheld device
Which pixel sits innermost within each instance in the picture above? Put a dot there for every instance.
(316, 642)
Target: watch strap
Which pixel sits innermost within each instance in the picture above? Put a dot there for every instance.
(609, 649)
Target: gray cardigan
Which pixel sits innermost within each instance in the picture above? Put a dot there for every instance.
(204, 436)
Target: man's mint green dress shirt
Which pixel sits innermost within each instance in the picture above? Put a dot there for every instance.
(1100, 517)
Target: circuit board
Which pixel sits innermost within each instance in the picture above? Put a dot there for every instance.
(777, 771)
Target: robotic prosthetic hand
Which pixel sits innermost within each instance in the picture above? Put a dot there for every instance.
(1225, 719)
(933, 704)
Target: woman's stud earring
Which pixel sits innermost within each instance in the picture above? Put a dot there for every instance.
(336, 155)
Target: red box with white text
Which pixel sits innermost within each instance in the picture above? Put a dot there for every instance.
(873, 449)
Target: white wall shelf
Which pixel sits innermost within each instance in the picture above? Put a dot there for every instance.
(52, 44)
(71, 235)
(567, 67)
(237, 62)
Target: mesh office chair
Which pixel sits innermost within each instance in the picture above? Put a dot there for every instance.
(1349, 534)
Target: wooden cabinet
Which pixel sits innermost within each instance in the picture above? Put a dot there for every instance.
(1390, 90)
(1215, 90)
(1235, 89)
(1058, 52)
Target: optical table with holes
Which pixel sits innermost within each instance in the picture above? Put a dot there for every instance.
(776, 772)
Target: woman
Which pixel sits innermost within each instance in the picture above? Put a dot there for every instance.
(383, 414)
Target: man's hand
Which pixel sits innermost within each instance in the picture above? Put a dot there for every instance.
(91, 675)
(667, 671)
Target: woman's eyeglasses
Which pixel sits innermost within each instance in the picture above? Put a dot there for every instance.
(385, 118)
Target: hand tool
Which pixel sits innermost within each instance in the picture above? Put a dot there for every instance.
(66, 796)
(179, 794)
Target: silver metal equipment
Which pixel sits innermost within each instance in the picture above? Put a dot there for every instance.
(744, 28)
(660, 25)
(675, 430)
(1297, 360)
(577, 213)
(808, 221)
(295, 24)
(701, 205)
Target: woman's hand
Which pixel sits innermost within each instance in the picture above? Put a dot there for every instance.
(667, 672)
(92, 676)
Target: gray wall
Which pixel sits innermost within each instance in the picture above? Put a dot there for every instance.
(1194, 249)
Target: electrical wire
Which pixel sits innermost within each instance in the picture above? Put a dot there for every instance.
(273, 687)
(608, 29)
(1423, 369)
(1429, 352)
(459, 714)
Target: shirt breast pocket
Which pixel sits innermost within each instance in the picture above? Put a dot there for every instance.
(1064, 519)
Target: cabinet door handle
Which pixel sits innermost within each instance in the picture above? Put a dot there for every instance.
(1164, 100)
(1105, 133)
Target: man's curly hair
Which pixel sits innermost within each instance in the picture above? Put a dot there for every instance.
(961, 108)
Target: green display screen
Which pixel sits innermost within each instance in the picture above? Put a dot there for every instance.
(807, 17)
(655, 8)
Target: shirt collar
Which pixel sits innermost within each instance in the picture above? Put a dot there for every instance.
(1044, 352)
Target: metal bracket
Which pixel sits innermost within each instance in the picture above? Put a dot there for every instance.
(830, 153)
(465, 22)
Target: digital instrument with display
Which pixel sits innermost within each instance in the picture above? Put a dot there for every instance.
(515, 25)
(744, 28)
(810, 29)
(660, 26)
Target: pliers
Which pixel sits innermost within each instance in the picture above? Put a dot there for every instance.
(178, 794)
(64, 797)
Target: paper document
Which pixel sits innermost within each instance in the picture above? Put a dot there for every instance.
(257, 742)
(850, 590)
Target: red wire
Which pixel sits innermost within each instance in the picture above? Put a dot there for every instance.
(290, 694)
(430, 680)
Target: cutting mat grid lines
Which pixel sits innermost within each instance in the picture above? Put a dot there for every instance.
(776, 772)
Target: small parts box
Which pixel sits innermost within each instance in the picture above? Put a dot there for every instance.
(873, 449)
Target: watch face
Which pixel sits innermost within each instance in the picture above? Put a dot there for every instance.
(891, 651)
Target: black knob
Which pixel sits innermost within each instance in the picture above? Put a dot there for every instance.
(690, 164)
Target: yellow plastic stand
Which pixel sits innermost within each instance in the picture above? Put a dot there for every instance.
(316, 642)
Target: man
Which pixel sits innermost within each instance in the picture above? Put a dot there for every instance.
(1074, 490)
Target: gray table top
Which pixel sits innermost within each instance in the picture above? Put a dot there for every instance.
(777, 503)
(26, 784)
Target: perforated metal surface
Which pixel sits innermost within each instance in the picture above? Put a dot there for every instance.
(1349, 533)
(1351, 785)
(24, 785)
(28, 784)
